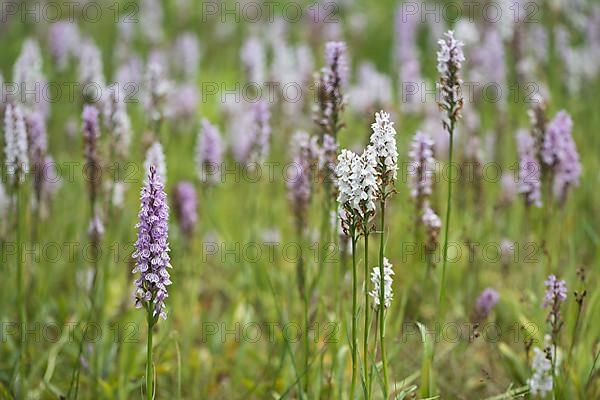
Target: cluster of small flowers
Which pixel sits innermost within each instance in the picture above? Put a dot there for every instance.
(260, 132)
(383, 142)
(421, 167)
(345, 172)
(90, 71)
(560, 153)
(15, 137)
(26, 112)
(388, 294)
(317, 160)
(117, 120)
(155, 156)
(152, 247)
(433, 226)
(361, 180)
(530, 173)
(291, 64)
(449, 59)
(30, 80)
(488, 62)
(91, 134)
(151, 20)
(331, 83)
(407, 57)
(307, 147)
(556, 293)
(538, 119)
(184, 198)
(250, 132)
(327, 160)
(366, 184)
(130, 72)
(183, 97)
(556, 290)
(486, 301)
(253, 58)
(38, 139)
(157, 89)
(182, 103)
(373, 90)
(96, 229)
(420, 171)
(63, 41)
(38, 147)
(549, 151)
(209, 153)
(541, 382)
(306, 158)
(299, 189)
(186, 55)
(337, 67)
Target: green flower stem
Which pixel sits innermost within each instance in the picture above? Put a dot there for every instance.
(382, 302)
(354, 312)
(21, 293)
(150, 319)
(440, 317)
(306, 335)
(366, 332)
(441, 308)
